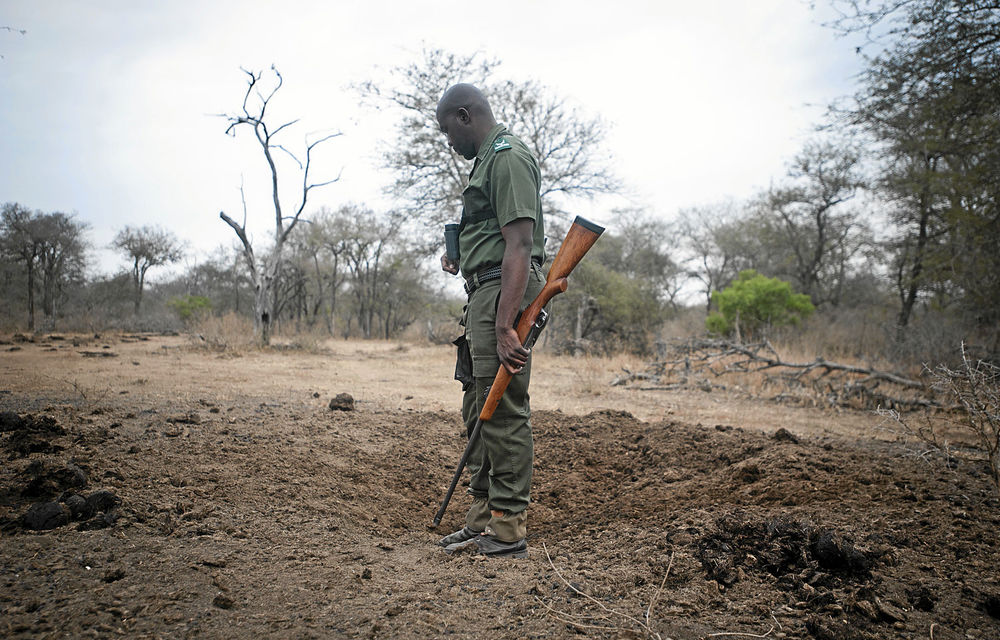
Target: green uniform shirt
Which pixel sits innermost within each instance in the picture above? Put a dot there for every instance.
(503, 187)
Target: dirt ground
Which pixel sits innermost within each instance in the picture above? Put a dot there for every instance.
(154, 489)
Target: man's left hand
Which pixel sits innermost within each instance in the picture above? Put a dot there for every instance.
(513, 355)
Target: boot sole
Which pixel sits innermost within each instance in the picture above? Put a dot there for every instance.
(517, 555)
(452, 549)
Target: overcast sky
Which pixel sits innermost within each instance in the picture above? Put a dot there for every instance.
(106, 106)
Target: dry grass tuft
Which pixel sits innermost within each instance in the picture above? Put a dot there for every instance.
(230, 333)
(592, 374)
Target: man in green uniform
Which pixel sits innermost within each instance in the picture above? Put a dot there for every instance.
(501, 245)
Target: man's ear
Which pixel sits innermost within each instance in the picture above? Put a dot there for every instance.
(463, 115)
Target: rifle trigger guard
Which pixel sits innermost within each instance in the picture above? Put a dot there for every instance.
(536, 328)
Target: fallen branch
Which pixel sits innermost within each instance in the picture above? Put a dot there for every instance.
(822, 381)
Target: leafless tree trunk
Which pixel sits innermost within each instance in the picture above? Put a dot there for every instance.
(263, 274)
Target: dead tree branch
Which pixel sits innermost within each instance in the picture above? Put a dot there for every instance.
(976, 423)
(263, 273)
(694, 363)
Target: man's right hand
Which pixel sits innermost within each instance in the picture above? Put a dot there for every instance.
(449, 266)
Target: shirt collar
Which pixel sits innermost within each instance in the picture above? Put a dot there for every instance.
(488, 140)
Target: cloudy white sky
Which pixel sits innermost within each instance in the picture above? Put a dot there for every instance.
(106, 106)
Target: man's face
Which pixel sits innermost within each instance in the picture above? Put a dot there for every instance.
(456, 126)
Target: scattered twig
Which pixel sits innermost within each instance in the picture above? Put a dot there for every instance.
(586, 595)
(567, 619)
(88, 396)
(652, 601)
(573, 620)
(742, 635)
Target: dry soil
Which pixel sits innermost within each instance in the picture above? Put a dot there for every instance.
(151, 488)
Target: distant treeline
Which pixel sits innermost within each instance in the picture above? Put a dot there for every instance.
(887, 219)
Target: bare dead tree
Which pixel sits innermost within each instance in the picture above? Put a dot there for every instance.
(264, 272)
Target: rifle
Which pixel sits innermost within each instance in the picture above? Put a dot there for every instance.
(579, 239)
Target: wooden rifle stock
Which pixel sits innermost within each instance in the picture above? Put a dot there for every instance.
(579, 239)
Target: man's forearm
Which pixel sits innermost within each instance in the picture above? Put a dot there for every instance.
(513, 282)
(514, 271)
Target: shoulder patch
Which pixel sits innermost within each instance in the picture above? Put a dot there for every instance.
(500, 144)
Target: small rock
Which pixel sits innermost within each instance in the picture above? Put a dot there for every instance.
(746, 472)
(889, 612)
(784, 435)
(866, 608)
(43, 516)
(217, 563)
(342, 402)
(219, 582)
(223, 601)
(103, 501)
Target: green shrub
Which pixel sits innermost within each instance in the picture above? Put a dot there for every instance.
(753, 303)
(190, 307)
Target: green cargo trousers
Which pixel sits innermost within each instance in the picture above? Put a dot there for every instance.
(501, 461)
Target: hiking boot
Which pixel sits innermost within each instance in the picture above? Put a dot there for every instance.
(490, 547)
(463, 534)
(464, 545)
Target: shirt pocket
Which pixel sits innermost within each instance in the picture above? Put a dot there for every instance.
(476, 203)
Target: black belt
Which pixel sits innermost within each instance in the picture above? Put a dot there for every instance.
(485, 275)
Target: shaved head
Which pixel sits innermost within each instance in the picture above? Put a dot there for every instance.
(464, 115)
(464, 96)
